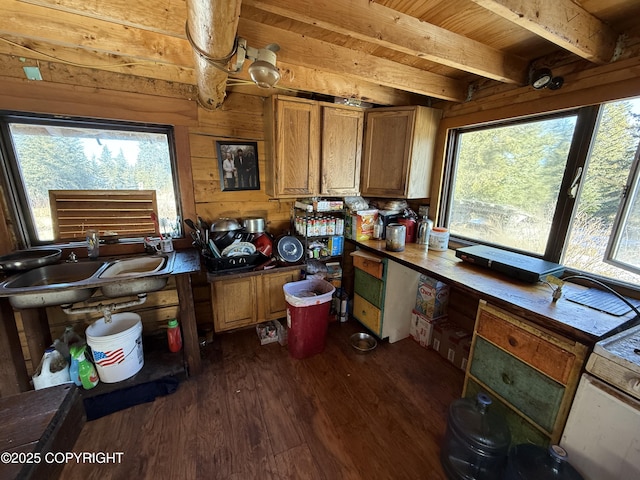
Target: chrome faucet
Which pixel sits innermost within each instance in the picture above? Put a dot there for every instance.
(73, 258)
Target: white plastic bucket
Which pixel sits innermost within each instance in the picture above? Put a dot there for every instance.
(116, 346)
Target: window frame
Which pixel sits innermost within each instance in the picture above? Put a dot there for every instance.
(581, 144)
(15, 188)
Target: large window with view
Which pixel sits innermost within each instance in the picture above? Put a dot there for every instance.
(561, 187)
(107, 161)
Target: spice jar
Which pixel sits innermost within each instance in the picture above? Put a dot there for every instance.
(395, 236)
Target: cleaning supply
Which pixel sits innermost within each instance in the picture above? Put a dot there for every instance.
(52, 370)
(174, 337)
(86, 370)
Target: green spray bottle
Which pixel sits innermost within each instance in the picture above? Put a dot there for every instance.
(86, 370)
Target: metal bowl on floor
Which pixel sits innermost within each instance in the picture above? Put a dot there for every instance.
(363, 342)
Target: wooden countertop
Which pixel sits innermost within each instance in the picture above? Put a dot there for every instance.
(530, 301)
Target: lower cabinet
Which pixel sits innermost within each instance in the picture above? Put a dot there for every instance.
(531, 373)
(251, 298)
(384, 295)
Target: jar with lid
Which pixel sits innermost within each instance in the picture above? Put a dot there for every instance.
(439, 239)
(476, 440)
(395, 237)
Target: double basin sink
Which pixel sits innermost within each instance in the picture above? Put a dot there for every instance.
(68, 283)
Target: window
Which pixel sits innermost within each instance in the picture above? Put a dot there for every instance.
(550, 187)
(44, 155)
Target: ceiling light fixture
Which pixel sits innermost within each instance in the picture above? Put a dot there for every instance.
(543, 78)
(263, 70)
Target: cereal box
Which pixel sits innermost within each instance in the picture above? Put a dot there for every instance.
(432, 297)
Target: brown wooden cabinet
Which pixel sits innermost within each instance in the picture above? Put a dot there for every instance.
(313, 148)
(530, 373)
(398, 152)
(247, 299)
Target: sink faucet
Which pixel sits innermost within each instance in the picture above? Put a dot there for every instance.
(72, 258)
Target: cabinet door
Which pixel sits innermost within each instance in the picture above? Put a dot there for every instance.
(272, 294)
(341, 150)
(294, 170)
(234, 303)
(385, 164)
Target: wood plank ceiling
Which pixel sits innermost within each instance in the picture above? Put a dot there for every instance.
(379, 51)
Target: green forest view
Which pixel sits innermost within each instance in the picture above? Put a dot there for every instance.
(92, 160)
(508, 181)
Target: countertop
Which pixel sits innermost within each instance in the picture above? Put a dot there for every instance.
(530, 301)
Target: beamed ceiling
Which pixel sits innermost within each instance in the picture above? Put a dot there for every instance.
(383, 51)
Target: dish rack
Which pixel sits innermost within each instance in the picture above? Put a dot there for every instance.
(231, 264)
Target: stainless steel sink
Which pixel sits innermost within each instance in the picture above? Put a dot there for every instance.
(135, 276)
(68, 283)
(50, 285)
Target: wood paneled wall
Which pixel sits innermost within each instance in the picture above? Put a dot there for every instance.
(111, 96)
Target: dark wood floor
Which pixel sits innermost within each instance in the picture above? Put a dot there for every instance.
(257, 413)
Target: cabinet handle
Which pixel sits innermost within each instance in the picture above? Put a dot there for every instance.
(513, 342)
(506, 379)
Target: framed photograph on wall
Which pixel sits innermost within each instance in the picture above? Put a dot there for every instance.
(238, 165)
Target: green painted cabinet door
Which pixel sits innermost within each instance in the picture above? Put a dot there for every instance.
(531, 392)
(521, 430)
(369, 287)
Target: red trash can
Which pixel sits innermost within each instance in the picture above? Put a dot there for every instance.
(308, 306)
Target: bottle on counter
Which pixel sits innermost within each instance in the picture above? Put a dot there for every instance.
(378, 228)
(86, 370)
(174, 337)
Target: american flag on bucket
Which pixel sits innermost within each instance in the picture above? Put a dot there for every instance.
(104, 359)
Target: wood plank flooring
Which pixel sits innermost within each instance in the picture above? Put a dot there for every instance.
(257, 413)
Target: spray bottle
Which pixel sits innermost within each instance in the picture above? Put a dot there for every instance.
(86, 370)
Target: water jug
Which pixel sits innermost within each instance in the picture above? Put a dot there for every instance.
(532, 462)
(52, 370)
(476, 441)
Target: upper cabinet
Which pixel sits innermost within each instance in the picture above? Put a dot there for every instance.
(313, 148)
(398, 152)
(342, 129)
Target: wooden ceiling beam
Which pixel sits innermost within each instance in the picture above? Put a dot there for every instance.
(211, 29)
(308, 52)
(562, 22)
(375, 23)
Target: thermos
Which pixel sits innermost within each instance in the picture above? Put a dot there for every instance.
(424, 228)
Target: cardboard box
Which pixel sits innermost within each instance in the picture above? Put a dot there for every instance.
(335, 245)
(421, 328)
(440, 338)
(359, 226)
(462, 356)
(432, 297)
(455, 341)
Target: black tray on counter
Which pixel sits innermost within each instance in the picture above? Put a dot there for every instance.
(232, 264)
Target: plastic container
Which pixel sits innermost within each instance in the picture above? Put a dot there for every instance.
(53, 370)
(532, 462)
(439, 239)
(476, 441)
(117, 346)
(308, 306)
(174, 337)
